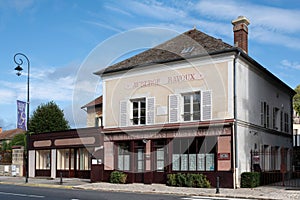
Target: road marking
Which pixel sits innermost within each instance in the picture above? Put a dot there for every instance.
(22, 195)
(211, 198)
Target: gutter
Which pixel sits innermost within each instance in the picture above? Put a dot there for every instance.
(234, 138)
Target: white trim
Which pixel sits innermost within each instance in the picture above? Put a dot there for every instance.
(53, 163)
(104, 103)
(230, 97)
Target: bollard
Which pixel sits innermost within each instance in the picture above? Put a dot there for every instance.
(61, 181)
(218, 185)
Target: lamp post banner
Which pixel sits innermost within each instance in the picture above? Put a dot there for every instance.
(21, 105)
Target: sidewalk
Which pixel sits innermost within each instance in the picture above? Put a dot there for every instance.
(265, 192)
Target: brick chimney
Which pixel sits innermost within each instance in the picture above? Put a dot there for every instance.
(240, 30)
(0, 129)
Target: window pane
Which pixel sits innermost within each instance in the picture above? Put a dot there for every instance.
(143, 104)
(201, 162)
(196, 97)
(143, 120)
(175, 162)
(210, 162)
(187, 117)
(187, 99)
(192, 162)
(135, 105)
(196, 116)
(135, 121)
(184, 162)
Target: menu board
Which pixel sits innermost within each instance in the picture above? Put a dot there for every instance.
(175, 162)
(184, 162)
(210, 164)
(201, 162)
(192, 162)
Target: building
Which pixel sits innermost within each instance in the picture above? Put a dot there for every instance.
(94, 112)
(7, 136)
(195, 104)
(296, 142)
(64, 153)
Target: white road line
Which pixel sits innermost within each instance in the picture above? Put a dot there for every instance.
(22, 195)
(211, 198)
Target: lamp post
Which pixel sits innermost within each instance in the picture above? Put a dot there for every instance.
(19, 61)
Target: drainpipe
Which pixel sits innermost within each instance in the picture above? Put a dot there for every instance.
(235, 158)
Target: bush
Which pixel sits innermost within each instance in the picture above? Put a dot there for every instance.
(171, 179)
(250, 179)
(188, 180)
(117, 177)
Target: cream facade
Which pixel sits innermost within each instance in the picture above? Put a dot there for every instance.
(159, 82)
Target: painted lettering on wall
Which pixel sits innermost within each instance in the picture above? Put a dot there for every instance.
(164, 80)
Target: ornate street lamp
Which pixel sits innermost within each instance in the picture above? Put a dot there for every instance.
(19, 62)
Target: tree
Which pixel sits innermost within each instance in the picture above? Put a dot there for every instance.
(47, 118)
(18, 140)
(296, 100)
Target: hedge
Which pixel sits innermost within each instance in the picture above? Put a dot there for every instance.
(250, 179)
(188, 180)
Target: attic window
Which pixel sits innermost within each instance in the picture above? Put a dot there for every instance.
(187, 49)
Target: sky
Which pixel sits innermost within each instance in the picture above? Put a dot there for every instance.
(66, 41)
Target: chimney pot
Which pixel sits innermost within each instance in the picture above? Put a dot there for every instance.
(240, 29)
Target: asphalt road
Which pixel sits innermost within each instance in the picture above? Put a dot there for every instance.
(13, 192)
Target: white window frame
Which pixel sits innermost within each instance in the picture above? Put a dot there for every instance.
(139, 101)
(191, 113)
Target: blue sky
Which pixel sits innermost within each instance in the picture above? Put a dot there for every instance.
(60, 36)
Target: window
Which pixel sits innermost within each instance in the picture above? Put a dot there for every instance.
(194, 154)
(98, 121)
(43, 160)
(140, 159)
(265, 115)
(65, 159)
(123, 157)
(275, 118)
(286, 122)
(138, 111)
(83, 159)
(191, 106)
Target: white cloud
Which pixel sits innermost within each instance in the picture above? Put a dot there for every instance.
(290, 64)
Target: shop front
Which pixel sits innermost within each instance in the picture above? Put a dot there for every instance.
(148, 157)
(66, 153)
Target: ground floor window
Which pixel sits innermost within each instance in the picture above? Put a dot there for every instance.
(43, 160)
(65, 159)
(83, 159)
(123, 156)
(194, 154)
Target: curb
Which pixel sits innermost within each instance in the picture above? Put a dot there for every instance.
(38, 185)
(175, 193)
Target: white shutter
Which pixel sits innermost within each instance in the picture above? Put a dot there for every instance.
(174, 108)
(123, 113)
(150, 110)
(206, 105)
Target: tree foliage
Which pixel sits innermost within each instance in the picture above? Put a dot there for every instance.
(47, 118)
(296, 100)
(18, 140)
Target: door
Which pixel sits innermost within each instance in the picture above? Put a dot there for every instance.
(139, 162)
(159, 152)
